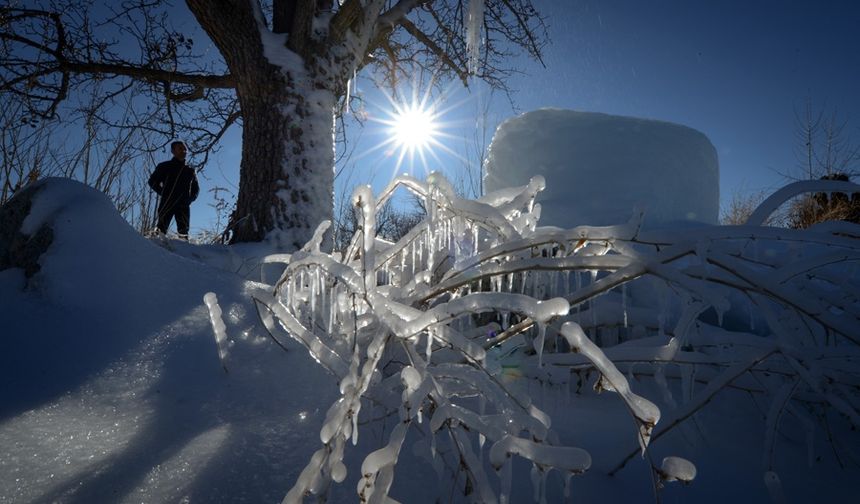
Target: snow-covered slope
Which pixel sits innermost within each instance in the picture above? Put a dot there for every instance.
(112, 387)
(600, 167)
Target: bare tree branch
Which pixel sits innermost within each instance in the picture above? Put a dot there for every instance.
(150, 74)
(435, 49)
(399, 11)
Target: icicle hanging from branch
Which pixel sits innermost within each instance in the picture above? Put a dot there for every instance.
(474, 23)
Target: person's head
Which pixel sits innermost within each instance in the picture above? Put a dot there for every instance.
(178, 150)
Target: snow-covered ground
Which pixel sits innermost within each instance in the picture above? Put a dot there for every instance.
(113, 391)
(112, 386)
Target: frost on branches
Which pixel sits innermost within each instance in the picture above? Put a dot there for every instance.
(421, 329)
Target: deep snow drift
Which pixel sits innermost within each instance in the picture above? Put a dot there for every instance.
(600, 167)
(112, 387)
(114, 392)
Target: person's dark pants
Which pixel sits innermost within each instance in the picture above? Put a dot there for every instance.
(181, 212)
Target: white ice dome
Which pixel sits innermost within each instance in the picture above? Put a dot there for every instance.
(599, 167)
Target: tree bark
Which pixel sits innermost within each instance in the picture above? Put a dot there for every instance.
(287, 172)
(287, 169)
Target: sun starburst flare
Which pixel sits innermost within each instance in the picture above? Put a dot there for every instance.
(414, 128)
(415, 132)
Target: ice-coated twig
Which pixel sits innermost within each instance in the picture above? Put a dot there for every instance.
(806, 305)
(702, 398)
(362, 200)
(318, 350)
(377, 470)
(677, 469)
(646, 413)
(817, 383)
(265, 316)
(777, 407)
(564, 458)
(218, 327)
(483, 271)
(313, 246)
(329, 265)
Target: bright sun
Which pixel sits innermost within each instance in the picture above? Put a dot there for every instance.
(414, 128)
(414, 132)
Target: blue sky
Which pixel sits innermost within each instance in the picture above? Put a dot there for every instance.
(736, 70)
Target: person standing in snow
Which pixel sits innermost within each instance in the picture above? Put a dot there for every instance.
(176, 183)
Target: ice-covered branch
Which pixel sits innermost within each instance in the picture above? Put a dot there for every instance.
(646, 413)
(411, 325)
(701, 399)
(774, 201)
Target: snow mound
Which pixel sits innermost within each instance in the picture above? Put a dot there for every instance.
(601, 167)
(112, 385)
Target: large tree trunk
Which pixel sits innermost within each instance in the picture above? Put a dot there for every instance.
(287, 170)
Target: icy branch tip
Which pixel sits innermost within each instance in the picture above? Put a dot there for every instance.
(537, 183)
(438, 181)
(210, 299)
(645, 411)
(411, 378)
(218, 326)
(361, 196)
(677, 469)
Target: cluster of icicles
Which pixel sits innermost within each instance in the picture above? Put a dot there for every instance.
(475, 274)
(419, 301)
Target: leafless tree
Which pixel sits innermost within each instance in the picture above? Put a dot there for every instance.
(824, 151)
(114, 161)
(279, 67)
(823, 146)
(23, 151)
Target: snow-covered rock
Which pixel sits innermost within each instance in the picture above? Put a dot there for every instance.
(20, 249)
(600, 167)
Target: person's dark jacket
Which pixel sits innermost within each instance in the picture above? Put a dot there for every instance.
(175, 182)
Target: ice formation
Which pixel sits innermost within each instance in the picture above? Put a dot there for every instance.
(218, 327)
(677, 469)
(604, 167)
(137, 405)
(474, 22)
(647, 414)
(417, 300)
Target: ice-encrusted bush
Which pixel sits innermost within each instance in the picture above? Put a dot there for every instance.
(406, 327)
